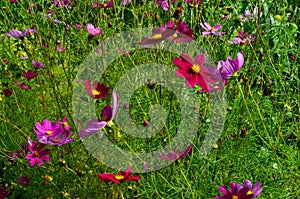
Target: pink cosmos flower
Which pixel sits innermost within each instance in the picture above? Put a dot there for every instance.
(176, 154)
(230, 66)
(60, 48)
(194, 71)
(211, 30)
(37, 64)
(92, 30)
(180, 27)
(120, 177)
(37, 155)
(21, 85)
(96, 90)
(164, 4)
(242, 38)
(108, 113)
(20, 34)
(126, 2)
(158, 35)
(29, 74)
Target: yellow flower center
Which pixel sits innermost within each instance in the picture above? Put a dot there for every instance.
(36, 153)
(157, 36)
(104, 5)
(105, 118)
(235, 197)
(212, 28)
(66, 124)
(49, 132)
(175, 35)
(119, 177)
(249, 192)
(195, 68)
(95, 92)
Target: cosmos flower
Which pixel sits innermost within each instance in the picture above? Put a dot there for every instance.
(211, 30)
(164, 4)
(120, 177)
(180, 27)
(158, 35)
(21, 85)
(230, 66)
(20, 34)
(126, 2)
(19, 153)
(234, 192)
(103, 5)
(37, 64)
(96, 90)
(92, 30)
(29, 74)
(242, 38)
(23, 180)
(108, 113)
(60, 3)
(37, 155)
(3, 192)
(47, 129)
(60, 48)
(194, 71)
(255, 190)
(176, 154)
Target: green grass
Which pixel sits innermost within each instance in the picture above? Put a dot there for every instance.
(260, 139)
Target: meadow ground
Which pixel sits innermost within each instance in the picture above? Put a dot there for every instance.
(248, 106)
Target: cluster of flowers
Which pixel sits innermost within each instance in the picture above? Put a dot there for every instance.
(55, 134)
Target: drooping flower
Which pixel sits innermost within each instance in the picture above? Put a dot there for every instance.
(194, 71)
(92, 30)
(103, 5)
(20, 34)
(176, 154)
(164, 4)
(29, 74)
(230, 66)
(60, 3)
(108, 113)
(234, 192)
(47, 129)
(23, 180)
(96, 90)
(211, 30)
(37, 64)
(37, 155)
(255, 190)
(120, 177)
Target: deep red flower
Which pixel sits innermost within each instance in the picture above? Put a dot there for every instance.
(29, 74)
(120, 177)
(7, 92)
(194, 71)
(96, 90)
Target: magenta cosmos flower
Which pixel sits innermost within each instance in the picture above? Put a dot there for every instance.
(92, 30)
(234, 192)
(19, 153)
(108, 113)
(120, 177)
(194, 71)
(230, 66)
(180, 27)
(20, 34)
(96, 90)
(103, 5)
(47, 129)
(211, 30)
(242, 38)
(176, 154)
(29, 74)
(255, 190)
(158, 35)
(60, 3)
(37, 155)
